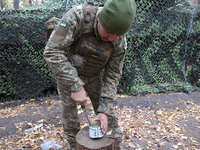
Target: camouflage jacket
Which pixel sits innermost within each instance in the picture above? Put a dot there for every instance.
(67, 32)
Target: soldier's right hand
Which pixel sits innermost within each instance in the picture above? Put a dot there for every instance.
(80, 97)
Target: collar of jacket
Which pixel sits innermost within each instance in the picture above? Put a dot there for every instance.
(96, 25)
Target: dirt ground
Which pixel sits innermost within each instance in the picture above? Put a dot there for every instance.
(155, 121)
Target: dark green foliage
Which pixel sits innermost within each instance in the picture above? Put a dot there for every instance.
(163, 49)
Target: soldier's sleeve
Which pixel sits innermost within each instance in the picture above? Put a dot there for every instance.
(64, 34)
(112, 74)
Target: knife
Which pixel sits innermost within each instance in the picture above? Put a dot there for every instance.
(83, 107)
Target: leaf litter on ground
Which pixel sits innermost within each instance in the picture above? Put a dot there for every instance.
(157, 128)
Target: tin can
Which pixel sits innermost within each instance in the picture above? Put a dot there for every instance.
(95, 130)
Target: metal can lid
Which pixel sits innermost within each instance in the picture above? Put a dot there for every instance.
(95, 123)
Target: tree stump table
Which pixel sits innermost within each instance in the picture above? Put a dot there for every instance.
(84, 142)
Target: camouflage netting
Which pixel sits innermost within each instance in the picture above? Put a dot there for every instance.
(163, 49)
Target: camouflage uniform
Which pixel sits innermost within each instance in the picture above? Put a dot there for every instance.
(101, 87)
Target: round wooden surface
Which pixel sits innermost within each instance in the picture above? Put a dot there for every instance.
(82, 138)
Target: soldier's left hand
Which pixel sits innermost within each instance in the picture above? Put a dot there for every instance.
(104, 122)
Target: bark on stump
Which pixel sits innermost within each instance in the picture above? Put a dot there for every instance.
(84, 142)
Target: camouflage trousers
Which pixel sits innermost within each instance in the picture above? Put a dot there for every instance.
(71, 122)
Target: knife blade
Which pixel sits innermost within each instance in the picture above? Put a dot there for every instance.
(83, 107)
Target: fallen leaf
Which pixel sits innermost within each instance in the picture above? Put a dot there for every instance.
(194, 142)
(179, 144)
(80, 111)
(175, 146)
(127, 136)
(131, 145)
(40, 121)
(109, 132)
(177, 129)
(159, 112)
(170, 118)
(31, 135)
(184, 137)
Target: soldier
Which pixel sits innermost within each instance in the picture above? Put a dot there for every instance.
(85, 52)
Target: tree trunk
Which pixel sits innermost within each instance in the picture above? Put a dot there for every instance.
(2, 4)
(84, 142)
(16, 4)
(30, 3)
(198, 2)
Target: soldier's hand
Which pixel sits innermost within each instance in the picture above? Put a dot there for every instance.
(104, 122)
(80, 97)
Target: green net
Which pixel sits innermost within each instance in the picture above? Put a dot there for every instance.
(163, 49)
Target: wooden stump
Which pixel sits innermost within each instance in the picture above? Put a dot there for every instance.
(84, 142)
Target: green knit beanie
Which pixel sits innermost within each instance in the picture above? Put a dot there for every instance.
(117, 16)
